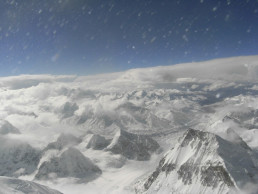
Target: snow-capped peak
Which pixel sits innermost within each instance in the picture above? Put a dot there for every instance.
(133, 146)
(202, 162)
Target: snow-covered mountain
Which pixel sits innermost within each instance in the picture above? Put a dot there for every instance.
(133, 146)
(247, 118)
(70, 163)
(63, 141)
(17, 186)
(110, 129)
(202, 162)
(17, 158)
(7, 128)
(97, 142)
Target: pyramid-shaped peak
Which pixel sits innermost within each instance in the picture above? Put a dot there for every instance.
(205, 161)
(6, 128)
(71, 163)
(67, 138)
(193, 134)
(63, 141)
(97, 142)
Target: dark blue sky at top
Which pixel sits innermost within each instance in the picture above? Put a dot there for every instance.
(96, 36)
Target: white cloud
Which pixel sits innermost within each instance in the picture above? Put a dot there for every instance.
(148, 100)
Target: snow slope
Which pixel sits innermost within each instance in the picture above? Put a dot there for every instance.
(203, 163)
(17, 158)
(12, 185)
(70, 163)
(53, 114)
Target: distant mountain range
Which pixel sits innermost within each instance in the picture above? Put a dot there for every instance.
(188, 128)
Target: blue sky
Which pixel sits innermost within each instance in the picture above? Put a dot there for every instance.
(97, 36)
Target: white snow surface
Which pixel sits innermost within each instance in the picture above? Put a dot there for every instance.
(17, 186)
(218, 96)
(202, 162)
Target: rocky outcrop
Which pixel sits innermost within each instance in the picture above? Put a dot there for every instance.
(63, 141)
(133, 146)
(17, 158)
(97, 142)
(70, 163)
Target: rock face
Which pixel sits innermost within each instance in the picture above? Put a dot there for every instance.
(97, 142)
(132, 146)
(6, 128)
(68, 109)
(12, 185)
(17, 158)
(63, 141)
(71, 163)
(203, 163)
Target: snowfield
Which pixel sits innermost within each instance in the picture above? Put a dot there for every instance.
(186, 128)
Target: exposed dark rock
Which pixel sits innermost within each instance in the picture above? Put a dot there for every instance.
(68, 109)
(133, 146)
(212, 175)
(97, 142)
(63, 141)
(17, 158)
(191, 135)
(155, 174)
(186, 172)
(71, 163)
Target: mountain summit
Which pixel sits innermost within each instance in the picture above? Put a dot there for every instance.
(202, 162)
